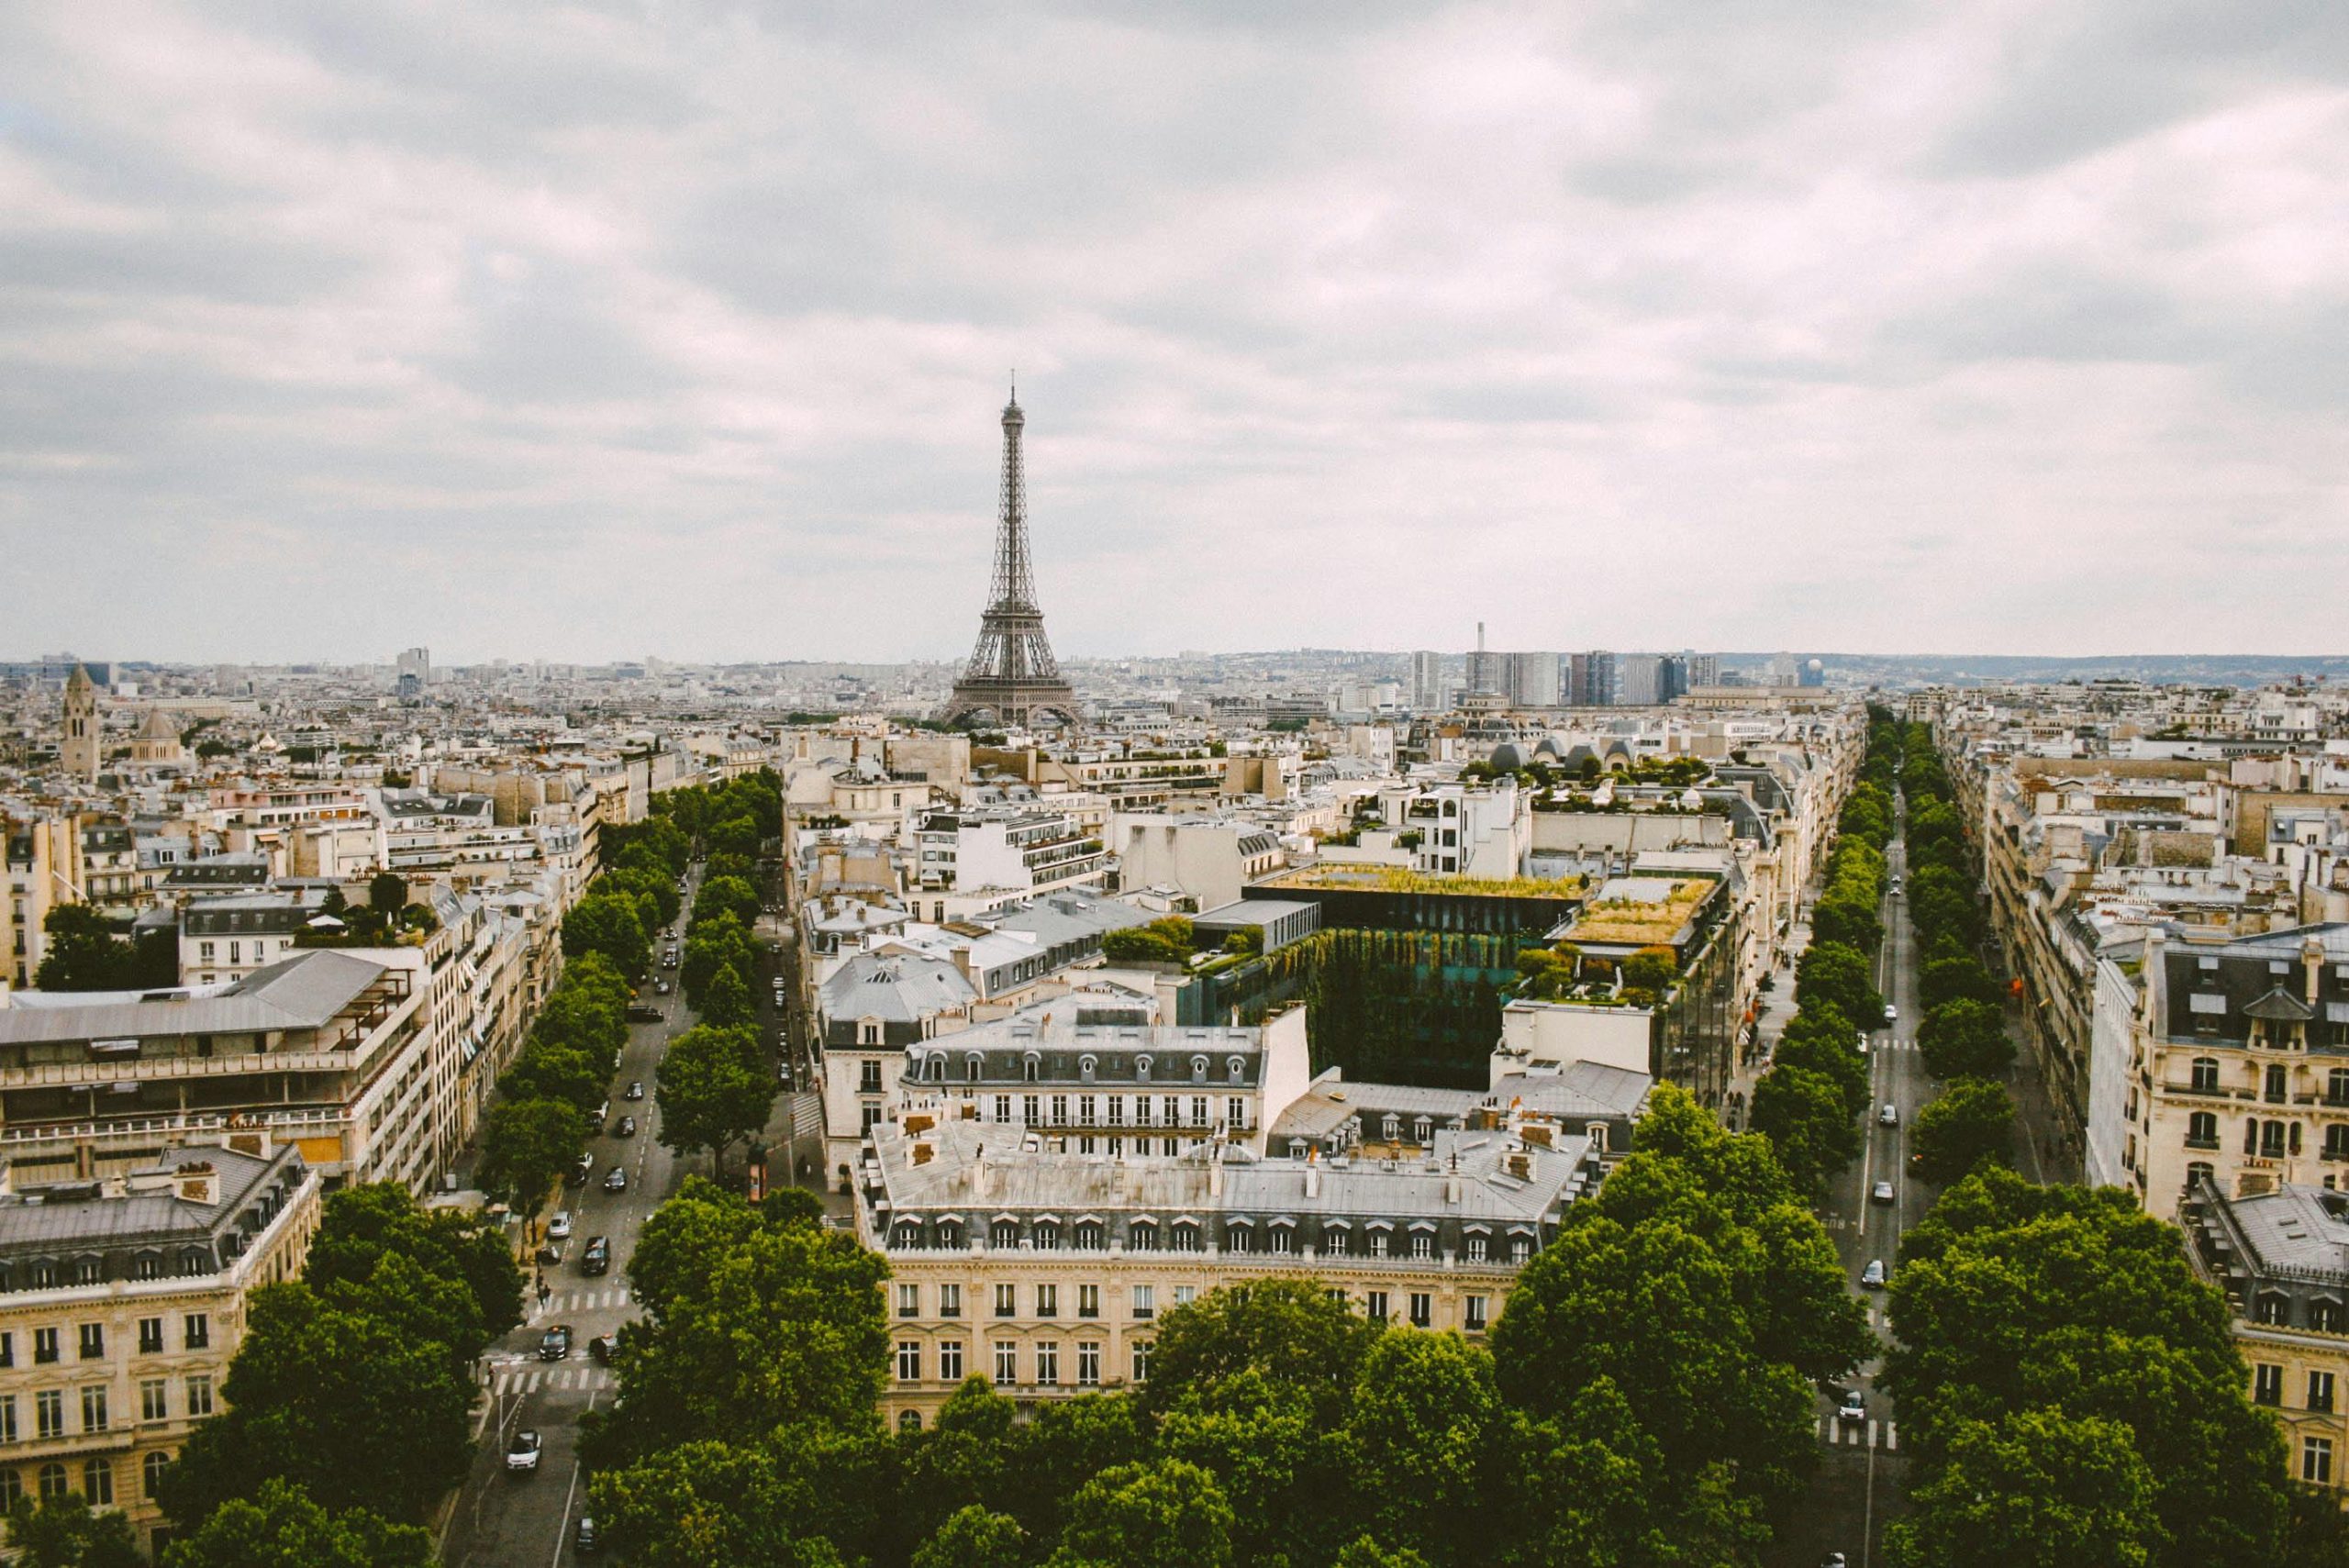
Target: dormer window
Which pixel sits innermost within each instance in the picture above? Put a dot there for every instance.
(971, 1066)
(1236, 1068)
(1084, 1065)
(1142, 1069)
(1198, 1070)
(1030, 1068)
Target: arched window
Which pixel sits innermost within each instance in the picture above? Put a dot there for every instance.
(2271, 1140)
(52, 1480)
(2200, 1171)
(1003, 1235)
(1145, 1236)
(2279, 1086)
(2206, 1074)
(909, 1420)
(1031, 1066)
(97, 1482)
(974, 1065)
(2202, 1130)
(937, 1075)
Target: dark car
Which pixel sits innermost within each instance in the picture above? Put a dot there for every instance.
(582, 1166)
(587, 1536)
(554, 1345)
(626, 1127)
(598, 1259)
(600, 1348)
(644, 1015)
(617, 1181)
(635, 1089)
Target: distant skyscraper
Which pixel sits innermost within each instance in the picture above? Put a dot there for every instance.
(1593, 678)
(1427, 681)
(1704, 669)
(77, 747)
(1012, 672)
(1530, 679)
(414, 672)
(1639, 680)
(1484, 667)
(1671, 677)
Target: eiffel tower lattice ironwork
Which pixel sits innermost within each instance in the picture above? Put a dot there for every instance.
(1012, 672)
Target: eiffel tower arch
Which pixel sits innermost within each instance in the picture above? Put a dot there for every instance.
(1012, 674)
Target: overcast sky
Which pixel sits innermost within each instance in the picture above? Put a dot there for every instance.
(586, 331)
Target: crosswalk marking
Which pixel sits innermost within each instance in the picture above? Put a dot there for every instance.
(807, 1115)
(564, 1302)
(1837, 1434)
(579, 1378)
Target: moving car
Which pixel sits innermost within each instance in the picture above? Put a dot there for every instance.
(660, 988)
(644, 1015)
(587, 1536)
(580, 1167)
(598, 1259)
(635, 1089)
(1854, 1409)
(522, 1453)
(1890, 1114)
(617, 1181)
(1873, 1276)
(600, 1349)
(559, 1227)
(1891, 1014)
(554, 1345)
(1880, 1192)
(627, 1127)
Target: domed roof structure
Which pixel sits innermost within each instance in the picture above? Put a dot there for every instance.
(1507, 757)
(157, 726)
(1548, 747)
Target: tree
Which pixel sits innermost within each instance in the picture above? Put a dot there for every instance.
(1425, 1410)
(525, 1146)
(387, 893)
(1652, 969)
(281, 1527)
(1945, 980)
(712, 1090)
(2034, 1489)
(360, 1413)
(1966, 1039)
(82, 954)
(1971, 1121)
(64, 1532)
(973, 1537)
(606, 922)
(710, 946)
(1837, 974)
(1809, 1122)
(361, 1226)
(707, 1503)
(1290, 1331)
(727, 895)
(727, 1003)
(1162, 1512)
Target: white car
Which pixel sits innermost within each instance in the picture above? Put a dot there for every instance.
(559, 1227)
(1889, 1115)
(1854, 1409)
(1891, 1014)
(522, 1453)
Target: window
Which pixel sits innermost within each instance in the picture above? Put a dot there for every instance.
(2202, 1130)
(1005, 1303)
(1029, 1110)
(2277, 1086)
(909, 1301)
(1378, 1244)
(154, 1399)
(12, 1488)
(868, 1077)
(1336, 1243)
(1520, 1249)
(44, 1345)
(1089, 1235)
(151, 1336)
(1240, 1239)
(949, 1301)
(1003, 1235)
(2271, 1140)
(199, 1396)
(1088, 1301)
(1028, 1069)
(1086, 1109)
(7, 1418)
(1141, 1362)
(950, 1359)
(1477, 1247)
(1422, 1245)
(93, 1341)
(2325, 1315)
(1060, 1110)
(2336, 1141)
(150, 1474)
(1007, 1363)
(906, 1235)
(1048, 1364)
(1198, 1111)
(2266, 1384)
(2336, 1086)
(97, 1483)
(49, 1413)
(1144, 1301)
(950, 1233)
(1374, 1306)
(909, 1360)
(1048, 1301)
(2206, 1074)
(1284, 1239)
(1422, 1308)
(1186, 1237)
(148, 1266)
(1142, 1069)
(93, 1407)
(1477, 1307)
(1145, 1237)
(53, 1481)
(197, 1329)
(1235, 1113)
(1184, 1294)
(1084, 1065)
(2320, 1391)
(1088, 1363)
(7, 1343)
(909, 1420)
(2316, 1460)
(868, 1118)
(1003, 1107)
(1047, 1235)
(1117, 1110)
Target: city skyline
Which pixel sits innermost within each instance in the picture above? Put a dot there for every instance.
(1946, 328)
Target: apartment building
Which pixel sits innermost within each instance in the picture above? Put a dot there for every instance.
(325, 1050)
(1047, 1271)
(122, 1302)
(2282, 1259)
(228, 936)
(1020, 850)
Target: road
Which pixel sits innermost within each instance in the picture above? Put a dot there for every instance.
(502, 1522)
(1863, 1473)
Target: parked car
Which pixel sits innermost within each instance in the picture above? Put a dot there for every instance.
(644, 1015)
(635, 1089)
(1835, 1559)
(522, 1453)
(1873, 1276)
(600, 1348)
(1854, 1408)
(580, 1167)
(559, 1227)
(1890, 1114)
(617, 1182)
(1881, 1192)
(586, 1535)
(598, 1259)
(551, 1253)
(660, 988)
(626, 1127)
(554, 1345)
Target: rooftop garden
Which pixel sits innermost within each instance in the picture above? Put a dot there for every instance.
(1402, 879)
(1639, 921)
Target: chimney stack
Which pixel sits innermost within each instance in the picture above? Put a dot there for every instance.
(1313, 1172)
(1215, 1169)
(1451, 1180)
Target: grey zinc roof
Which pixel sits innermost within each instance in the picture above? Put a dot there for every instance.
(304, 992)
(2293, 1228)
(894, 988)
(161, 1218)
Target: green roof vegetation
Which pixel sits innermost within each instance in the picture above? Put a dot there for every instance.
(1403, 879)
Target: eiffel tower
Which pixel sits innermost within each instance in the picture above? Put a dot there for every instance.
(1012, 672)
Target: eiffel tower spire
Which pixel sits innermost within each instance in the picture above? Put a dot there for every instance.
(1012, 672)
